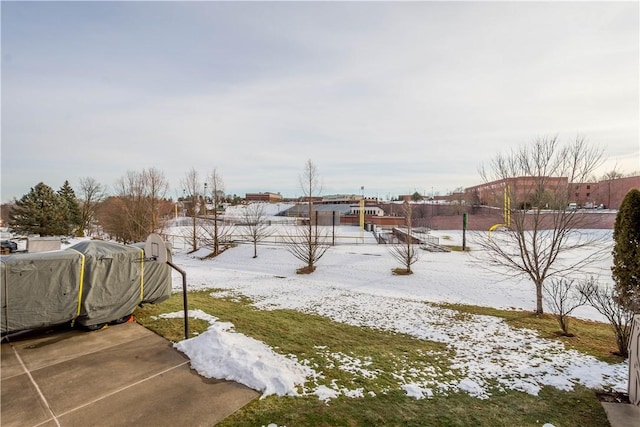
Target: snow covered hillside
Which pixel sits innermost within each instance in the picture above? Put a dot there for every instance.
(353, 284)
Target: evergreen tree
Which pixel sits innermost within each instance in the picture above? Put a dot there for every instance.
(72, 208)
(626, 252)
(41, 211)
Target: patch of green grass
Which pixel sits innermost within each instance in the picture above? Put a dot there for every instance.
(287, 330)
(594, 338)
(577, 408)
(173, 329)
(381, 356)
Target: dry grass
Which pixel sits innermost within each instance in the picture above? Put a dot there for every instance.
(292, 332)
(594, 338)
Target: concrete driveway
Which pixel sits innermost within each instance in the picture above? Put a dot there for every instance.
(121, 375)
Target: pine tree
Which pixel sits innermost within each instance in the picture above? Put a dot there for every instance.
(626, 252)
(41, 211)
(72, 208)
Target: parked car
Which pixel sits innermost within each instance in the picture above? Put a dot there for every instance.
(9, 245)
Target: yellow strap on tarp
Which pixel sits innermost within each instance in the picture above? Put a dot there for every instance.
(142, 275)
(81, 281)
(5, 292)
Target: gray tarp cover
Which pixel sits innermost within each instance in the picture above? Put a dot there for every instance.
(157, 279)
(39, 289)
(42, 289)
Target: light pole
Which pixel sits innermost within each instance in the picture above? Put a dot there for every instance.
(184, 202)
(362, 214)
(204, 200)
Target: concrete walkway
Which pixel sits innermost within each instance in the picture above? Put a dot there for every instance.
(121, 375)
(622, 414)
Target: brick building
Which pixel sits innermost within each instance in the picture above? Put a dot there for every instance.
(349, 199)
(263, 197)
(523, 190)
(608, 192)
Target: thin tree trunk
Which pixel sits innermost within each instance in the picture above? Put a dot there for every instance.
(194, 235)
(539, 308)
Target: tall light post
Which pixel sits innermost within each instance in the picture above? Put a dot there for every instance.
(362, 214)
(204, 200)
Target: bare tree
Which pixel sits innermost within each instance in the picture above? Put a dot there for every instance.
(405, 252)
(614, 173)
(6, 209)
(539, 179)
(308, 244)
(608, 179)
(603, 300)
(563, 298)
(112, 216)
(458, 200)
(254, 224)
(139, 201)
(130, 189)
(157, 187)
(191, 199)
(91, 195)
(216, 233)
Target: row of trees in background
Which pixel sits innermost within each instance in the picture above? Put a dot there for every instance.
(47, 212)
(530, 245)
(136, 209)
(137, 206)
(308, 244)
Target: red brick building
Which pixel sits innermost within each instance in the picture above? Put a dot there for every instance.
(263, 197)
(523, 190)
(609, 192)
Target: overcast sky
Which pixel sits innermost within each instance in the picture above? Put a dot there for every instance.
(395, 97)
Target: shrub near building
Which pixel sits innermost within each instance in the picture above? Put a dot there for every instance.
(626, 252)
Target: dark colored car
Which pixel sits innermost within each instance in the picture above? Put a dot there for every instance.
(9, 245)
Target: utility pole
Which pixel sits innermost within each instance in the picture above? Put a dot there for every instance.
(464, 232)
(362, 214)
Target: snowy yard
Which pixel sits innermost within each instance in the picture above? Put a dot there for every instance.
(353, 284)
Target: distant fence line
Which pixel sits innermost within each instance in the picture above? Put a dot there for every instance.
(181, 242)
(236, 221)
